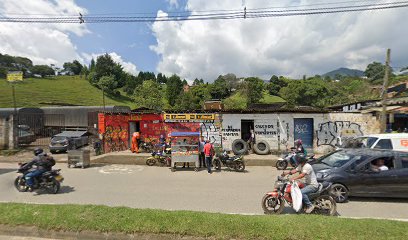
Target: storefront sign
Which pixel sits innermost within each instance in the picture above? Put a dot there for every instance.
(189, 117)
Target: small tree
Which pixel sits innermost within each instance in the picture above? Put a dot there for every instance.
(149, 95)
(43, 70)
(108, 84)
(253, 90)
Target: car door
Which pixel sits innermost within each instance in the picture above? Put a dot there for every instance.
(377, 183)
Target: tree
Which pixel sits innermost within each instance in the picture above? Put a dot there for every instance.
(219, 89)
(275, 84)
(253, 89)
(232, 81)
(375, 71)
(144, 76)
(74, 67)
(131, 83)
(43, 70)
(193, 99)
(174, 89)
(108, 84)
(149, 95)
(161, 78)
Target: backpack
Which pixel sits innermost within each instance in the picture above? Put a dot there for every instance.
(50, 161)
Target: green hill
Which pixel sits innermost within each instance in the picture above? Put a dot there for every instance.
(59, 90)
(238, 100)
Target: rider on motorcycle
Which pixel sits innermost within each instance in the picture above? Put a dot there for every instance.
(43, 165)
(306, 171)
(298, 149)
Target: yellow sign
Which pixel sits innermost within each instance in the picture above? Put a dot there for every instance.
(14, 76)
(189, 117)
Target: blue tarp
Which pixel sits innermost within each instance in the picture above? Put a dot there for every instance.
(185, 134)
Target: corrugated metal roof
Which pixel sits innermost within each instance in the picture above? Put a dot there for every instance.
(72, 134)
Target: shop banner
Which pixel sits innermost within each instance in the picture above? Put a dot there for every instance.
(189, 118)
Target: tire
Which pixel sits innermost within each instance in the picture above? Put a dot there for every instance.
(239, 147)
(325, 205)
(262, 147)
(240, 166)
(281, 164)
(54, 189)
(20, 185)
(272, 205)
(339, 192)
(217, 164)
(150, 161)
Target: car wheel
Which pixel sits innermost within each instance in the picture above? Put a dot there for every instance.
(339, 192)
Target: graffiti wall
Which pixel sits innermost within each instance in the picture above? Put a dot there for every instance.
(212, 130)
(116, 135)
(333, 133)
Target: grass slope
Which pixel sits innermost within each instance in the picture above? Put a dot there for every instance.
(238, 100)
(220, 226)
(39, 92)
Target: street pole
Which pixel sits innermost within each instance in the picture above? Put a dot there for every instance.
(103, 99)
(15, 117)
(383, 117)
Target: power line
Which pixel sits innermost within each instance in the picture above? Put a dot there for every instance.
(208, 16)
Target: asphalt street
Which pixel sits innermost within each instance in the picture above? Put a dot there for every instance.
(157, 187)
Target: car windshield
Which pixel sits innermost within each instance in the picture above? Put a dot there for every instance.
(338, 159)
(58, 139)
(360, 142)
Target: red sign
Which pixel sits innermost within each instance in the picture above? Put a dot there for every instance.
(101, 123)
(404, 142)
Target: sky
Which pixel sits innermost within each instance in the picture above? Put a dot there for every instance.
(288, 46)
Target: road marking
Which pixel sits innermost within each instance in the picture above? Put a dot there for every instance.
(120, 169)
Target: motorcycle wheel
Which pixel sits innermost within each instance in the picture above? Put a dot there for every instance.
(272, 205)
(53, 187)
(240, 166)
(281, 164)
(150, 161)
(163, 162)
(20, 185)
(217, 164)
(325, 205)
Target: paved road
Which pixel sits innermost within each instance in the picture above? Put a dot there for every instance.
(156, 187)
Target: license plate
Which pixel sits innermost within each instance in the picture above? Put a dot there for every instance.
(59, 178)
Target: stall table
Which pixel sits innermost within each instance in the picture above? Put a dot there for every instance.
(185, 148)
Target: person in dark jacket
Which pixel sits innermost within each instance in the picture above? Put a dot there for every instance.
(42, 163)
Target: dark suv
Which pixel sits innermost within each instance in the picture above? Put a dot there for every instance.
(355, 172)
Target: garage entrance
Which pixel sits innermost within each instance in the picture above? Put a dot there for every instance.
(303, 129)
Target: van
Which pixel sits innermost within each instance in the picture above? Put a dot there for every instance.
(390, 141)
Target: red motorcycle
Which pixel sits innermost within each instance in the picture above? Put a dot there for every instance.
(274, 202)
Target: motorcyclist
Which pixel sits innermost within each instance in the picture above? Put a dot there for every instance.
(43, 165)
(298, 149)
(305, 170)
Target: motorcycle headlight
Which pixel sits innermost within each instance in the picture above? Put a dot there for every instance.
(322, 175)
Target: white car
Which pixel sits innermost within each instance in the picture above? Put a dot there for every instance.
(391, 141)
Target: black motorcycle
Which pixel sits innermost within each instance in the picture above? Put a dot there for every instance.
(49, 181)
(146, 146)
(236, 162)
(283, 162)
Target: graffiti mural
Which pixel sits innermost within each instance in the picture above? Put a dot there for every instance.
(330, 133)
(212, 132)
(116, 134)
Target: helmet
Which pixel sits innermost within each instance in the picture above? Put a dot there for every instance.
(298, 142)
(38, 151)
(300, 158)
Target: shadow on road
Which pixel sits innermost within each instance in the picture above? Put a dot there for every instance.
(66, 189)
(384, 200)
(6, 170)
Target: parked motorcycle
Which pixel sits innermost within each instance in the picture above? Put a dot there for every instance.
(163, 159)
(236, 162)
(284, 161)
(146, 146)
(49, 181)
(274, 202)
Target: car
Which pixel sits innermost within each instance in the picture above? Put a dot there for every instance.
(68, 140)
(353, 173)
(390, 141)
(25, 135)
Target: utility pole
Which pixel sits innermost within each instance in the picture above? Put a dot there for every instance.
(383, 117)
(103, 98)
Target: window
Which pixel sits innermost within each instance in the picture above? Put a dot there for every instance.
(384, 144)
(404, 160)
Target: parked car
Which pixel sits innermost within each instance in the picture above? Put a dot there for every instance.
(391, 141)
(25, 134)
(68, 140)
(353, 173)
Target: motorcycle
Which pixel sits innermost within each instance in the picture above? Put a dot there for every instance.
(274, 202)
(163, 159)
(49, 181)
(236, 162)
(146, 146)
(284, 161)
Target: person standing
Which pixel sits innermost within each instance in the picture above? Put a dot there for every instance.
(251, 140)
(209, 153)
(202, 155)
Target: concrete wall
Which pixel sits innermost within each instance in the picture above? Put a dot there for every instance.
(6, 133)
(278, 128)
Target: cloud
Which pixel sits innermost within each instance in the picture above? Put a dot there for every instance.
(127, 66)
(42, 43)
(173, 3)
(290, 46)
